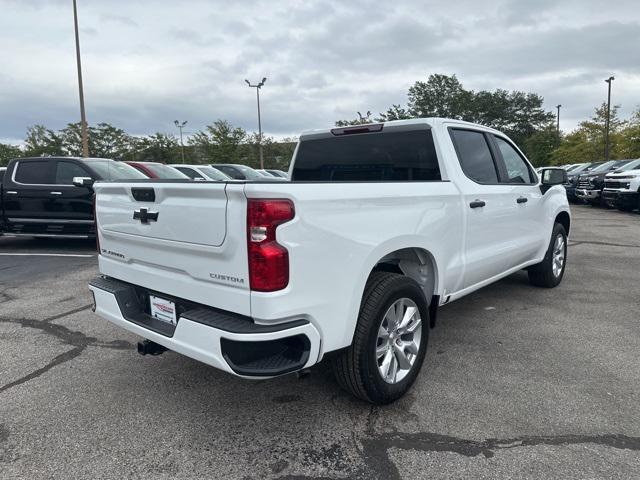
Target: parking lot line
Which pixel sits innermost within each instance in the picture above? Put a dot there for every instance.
(77, 255)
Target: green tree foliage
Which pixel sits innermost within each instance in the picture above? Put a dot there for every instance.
(42, 141)
(8, 152)
(218, 143)
(159, 147)
(440, 96)
(361, 120)
(394, 112)
(586, 143)
(541, 145)
(276, 154)
(629, 144)
(519, 114)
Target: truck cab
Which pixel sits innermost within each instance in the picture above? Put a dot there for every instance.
(40, 199)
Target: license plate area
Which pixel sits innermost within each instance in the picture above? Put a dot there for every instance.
(163, 309)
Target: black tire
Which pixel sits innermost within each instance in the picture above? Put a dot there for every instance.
(626, 208)
(541, 275)
(356, 367)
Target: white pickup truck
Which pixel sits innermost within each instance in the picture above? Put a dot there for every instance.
(379, 226)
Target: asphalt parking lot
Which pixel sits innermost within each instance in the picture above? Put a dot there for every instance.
(518, 382)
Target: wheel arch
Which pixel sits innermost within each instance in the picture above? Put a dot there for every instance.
(564, 219)
(418, 263)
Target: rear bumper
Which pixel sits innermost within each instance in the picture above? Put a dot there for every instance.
(228, 341)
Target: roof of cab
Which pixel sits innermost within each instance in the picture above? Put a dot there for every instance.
(429, 122)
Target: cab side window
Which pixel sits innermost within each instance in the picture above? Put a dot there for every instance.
(516, 168)
(65, 171)
(474, 155)
(34, 172)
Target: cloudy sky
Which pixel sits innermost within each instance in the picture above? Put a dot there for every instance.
(147, 62)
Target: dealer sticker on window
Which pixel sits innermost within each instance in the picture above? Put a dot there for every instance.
(162, 309)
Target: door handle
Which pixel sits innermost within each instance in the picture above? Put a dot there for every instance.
(477, 204)
(55, 193)
(11, 192)
(522, 200)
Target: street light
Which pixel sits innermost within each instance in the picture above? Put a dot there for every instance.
(607, 122)
(83, 118)
(258, 87)
(558, 119)
(181, 126)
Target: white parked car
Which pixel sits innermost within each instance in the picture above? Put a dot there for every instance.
(379, 226)
(201, 172)
(622, 187)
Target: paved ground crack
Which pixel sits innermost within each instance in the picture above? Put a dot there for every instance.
(376, 449)
(573, 243)
(78, 340)
(378, 464)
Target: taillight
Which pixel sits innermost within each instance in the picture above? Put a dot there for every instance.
(95, 224)
(268, 260)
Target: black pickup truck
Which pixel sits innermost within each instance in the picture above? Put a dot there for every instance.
(53, 196)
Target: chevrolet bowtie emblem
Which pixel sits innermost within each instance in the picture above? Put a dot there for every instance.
(145, 215)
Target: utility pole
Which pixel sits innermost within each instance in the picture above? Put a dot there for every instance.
(258, 87)
(607, 120)
(558, 119)
(83, 117)
(180, 127)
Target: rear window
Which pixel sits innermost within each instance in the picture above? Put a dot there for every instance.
(389, 156)
(34, 172)
(112, 170)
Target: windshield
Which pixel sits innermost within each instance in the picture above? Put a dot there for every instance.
(112, 170)
(580, 168)
(632, 165)
(164, 171)
(604, 167)
(249, 173)
(214, 174)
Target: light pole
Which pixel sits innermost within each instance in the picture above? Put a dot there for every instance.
(558, 119)
(83, 118)
(180, 127)
(607, 122)
(258, 87)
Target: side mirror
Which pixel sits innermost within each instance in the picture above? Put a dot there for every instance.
(82, 181)
(551, 177)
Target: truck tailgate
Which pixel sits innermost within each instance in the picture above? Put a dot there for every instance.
(185, 240)
(188, 213)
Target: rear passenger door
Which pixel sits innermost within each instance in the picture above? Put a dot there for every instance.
(27, 195)
(528, 224)
(490, 245)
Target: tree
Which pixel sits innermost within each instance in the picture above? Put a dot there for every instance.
(41, 141)
(394, 112)
(8, 152)
(159, 147)
(539, 147)
(218, 143)
(629, 142)
(361, 120)
(439, 96)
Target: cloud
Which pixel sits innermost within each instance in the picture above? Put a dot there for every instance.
(147, 64)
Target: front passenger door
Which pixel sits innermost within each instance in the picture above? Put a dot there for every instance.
(72, 206)
(489, 208)
(528, 224)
